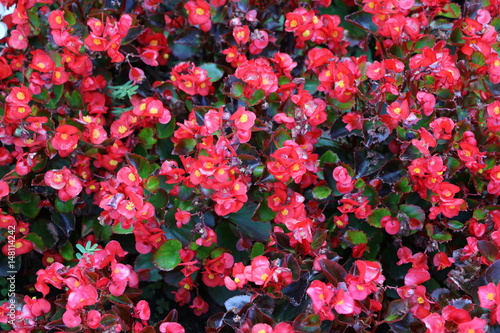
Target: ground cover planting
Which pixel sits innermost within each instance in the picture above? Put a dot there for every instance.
(250, 166)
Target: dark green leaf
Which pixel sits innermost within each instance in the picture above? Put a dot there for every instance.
(368, 162)
(189, 37)
(255, 230)
(183, 52)
(184, 147)
(65, 222)
(488, 249)
(165, 130)
(426, 40)
(37, 241)
(333, 271)
(140, 163)
(58, 92)
(74, 99)
(363, 20)
(492, 273)
(122, 299)
(396, 310)
(264, 213)
(403, 186)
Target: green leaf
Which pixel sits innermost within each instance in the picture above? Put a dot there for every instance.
(264, 213)
(64, 207)
(160, 199)
(132, 35)
(118, 229)
(255, 230)
(478, 58)
(329, 157)
(140, 163)
(489, 250)
(396, 310)
(37, 241)
(183, 52)
(167, 257)
(377, 215)
(58, 92)
(144, 261)
(257, 250)
(69, 17)
(426, 40)
(321, 192)
(152, 184)
(258, 96)
(189, 37)
(479, 214)
(450, 10)
(147, 136)
(237, 90)
(455, 225)
(74, 99)
(311, 85)
(165, 130)
(372, 195)
(442, 237)
(215, 73)
(403, 186)
(362, 20)
(67, 251)
(120, 300)
(356, 237)
(41, 228)
(184, 147)
(492, 273)
(413, 212)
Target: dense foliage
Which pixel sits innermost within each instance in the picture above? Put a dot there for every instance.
(261, 166)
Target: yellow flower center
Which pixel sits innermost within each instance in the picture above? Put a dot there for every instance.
(20, 95)
(122, 129)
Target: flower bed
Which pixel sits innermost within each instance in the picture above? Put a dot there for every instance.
(250, 166)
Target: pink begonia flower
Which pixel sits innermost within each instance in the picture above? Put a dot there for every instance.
(71, 318)
(262, 328)
(171, 328)
(82, 296)
(488, 295)
(93, 319)
(434, 323)
(416, 276)
(344, 303)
